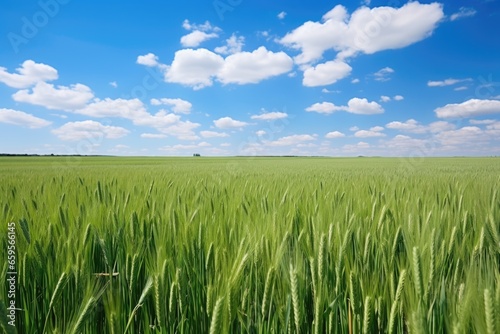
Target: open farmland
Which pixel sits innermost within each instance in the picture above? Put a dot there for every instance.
(259, 245)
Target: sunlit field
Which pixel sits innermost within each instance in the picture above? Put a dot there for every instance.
(258, 245)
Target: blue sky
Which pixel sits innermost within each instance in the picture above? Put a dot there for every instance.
(240, 77)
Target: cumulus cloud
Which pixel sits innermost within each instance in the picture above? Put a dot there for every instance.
(21, 118)
(375, 131)
(253, 67)
(334, 134)
(195, 68)
(183, 130)
(291, 140)
(446, 82)
(355, 105)
(469, 108)
(324, 108)
(385, 98)
(234, 44)
(28, 74)
(281, 15)
(198, 68)
(326, 73)
(178, 105)
(87, 130)
(55, 97)
(150, 60)
(199, 33)
(367, 30)
(414, 126)
(270, 116)
(363, 107)
(130, 109)
(398, 98)
(196, 37)
(463, 12)
(213, 134)
(229, 123)
(260, 133)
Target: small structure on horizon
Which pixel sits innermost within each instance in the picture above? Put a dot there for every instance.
(196, 155)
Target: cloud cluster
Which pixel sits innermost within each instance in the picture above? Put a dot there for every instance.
(356, 105)
(364, 31)
(28, 74)
(198, 68)
(21, 118)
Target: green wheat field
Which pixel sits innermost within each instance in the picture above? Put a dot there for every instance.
(252, 245)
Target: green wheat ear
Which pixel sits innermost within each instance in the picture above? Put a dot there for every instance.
(26, 229)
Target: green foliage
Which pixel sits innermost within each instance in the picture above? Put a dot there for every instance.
(260, 245)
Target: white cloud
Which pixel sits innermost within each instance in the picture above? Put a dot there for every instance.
(213, 134)
(195, 68)
(410, 125)
(253, 67)
(413, 126)
(398, 98)
(113, 84)
(353, 128)
(326, 73)
(383, 74)
(482, 122)
(28, 74)
(466, 136)
(150, 60)
(291, 140)
(153, 135)
(20, 118)
(355, 106)
(334, 134)
(355, 81)
(160, 120)
(324, 108)
(469, 108)
(384, 98)
(234, 44)
(179, 106)
(440, 126)
(260, 133)
(281, 15)
(446, 82)
(199, 33)
(196, 37)
(207, 26)
(225, 144)
(375, 131)
(88, 129)
(229, 123)
(59, 98)
(461, 88)
(130, 109)
(270, 116)
(363, 107)
(366, 30)
(183, 130)
(198, 68)
(54, 98)
(463, 12)
(327, 91)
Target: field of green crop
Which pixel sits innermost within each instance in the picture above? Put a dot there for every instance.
(259, 245)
